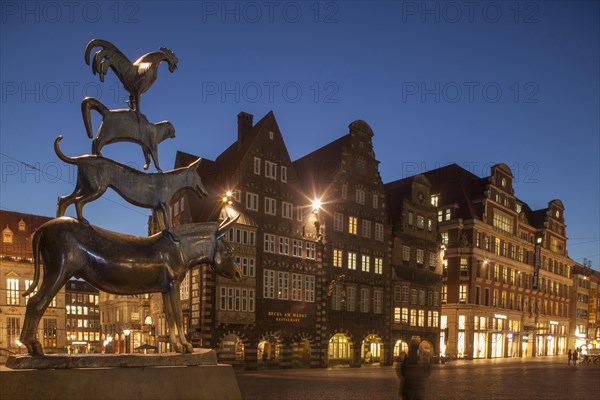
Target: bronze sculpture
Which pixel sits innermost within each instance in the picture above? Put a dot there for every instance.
(122, 126)
(114, 262)
(96, 174)
(123, 264)
(136, 77)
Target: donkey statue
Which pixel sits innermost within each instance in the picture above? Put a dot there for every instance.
(125, 265)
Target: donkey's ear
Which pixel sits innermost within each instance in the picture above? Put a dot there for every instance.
(225, 225)
(195, 164)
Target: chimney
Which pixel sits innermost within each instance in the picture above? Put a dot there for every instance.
(244, 126)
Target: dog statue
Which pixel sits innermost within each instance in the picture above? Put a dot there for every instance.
(122, 126)
(95, 174)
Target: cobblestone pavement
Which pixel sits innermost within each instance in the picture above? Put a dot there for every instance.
(538, 378)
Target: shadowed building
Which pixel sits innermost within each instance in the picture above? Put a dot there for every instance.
(416, 264)
(273, 316)
(344, 175)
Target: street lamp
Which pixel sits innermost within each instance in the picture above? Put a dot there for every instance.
(127, 332)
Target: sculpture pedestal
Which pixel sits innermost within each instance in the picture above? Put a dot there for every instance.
(205, 381)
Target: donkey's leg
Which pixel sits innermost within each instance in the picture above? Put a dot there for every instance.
(175, 346)
(36, 306)
(176, 308)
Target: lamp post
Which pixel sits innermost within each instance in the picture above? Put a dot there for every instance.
(127, 332)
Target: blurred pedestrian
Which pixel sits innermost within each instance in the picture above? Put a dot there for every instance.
(415, 370)
(570, 355)
(401, 358)
(575, 355)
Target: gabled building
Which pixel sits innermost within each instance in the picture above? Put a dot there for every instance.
(344, 176)
(506, 272)
(416, 264)
(16, 275)
(273, 317)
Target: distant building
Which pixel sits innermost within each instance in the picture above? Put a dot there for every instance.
(416, 264)
(16, 275)
(83, 317)
(123, 322)
(507, 276)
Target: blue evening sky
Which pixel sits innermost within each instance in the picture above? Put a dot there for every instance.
(475, 83)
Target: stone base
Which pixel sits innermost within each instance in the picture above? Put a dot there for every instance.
(60, 361)
(140, 383)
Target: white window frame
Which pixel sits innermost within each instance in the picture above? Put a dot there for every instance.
(338, 221)
(360, 196)
(270, 170)
(378, 231)
(251, 201)
(287, 210)
(283, 174)
(270, 206)
(378, 264)
(257, 162)
(366, 228)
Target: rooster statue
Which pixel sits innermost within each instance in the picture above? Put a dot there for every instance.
(136, 77)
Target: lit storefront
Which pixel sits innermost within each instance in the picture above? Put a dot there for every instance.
(340, 350)
(480, 337)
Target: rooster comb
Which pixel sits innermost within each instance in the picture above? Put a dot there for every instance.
(168, 52)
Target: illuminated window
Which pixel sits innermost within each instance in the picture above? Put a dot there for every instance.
(404, 315)
(365, 263)
(421, 320)
(444, 294)
(351, 260)
(352, 225)
(337, 258)
(378, 265)
(464, 267)
(397, 314)
(434, 200)
(12, 291)
(7, 235)
(420, 222)
(503, 221)
(462, 293)
(413, 317)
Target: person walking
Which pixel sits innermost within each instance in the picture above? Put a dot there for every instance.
(570, 355)
(575, 354)
(415, 372)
